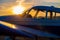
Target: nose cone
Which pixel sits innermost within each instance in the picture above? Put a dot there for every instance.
(5, 30)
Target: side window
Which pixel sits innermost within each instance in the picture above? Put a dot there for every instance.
(32, 12)
(41, 14)
(57, 16)
(50, 15)
(54, 16)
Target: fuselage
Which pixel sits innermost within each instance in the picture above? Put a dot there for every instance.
(46, 24)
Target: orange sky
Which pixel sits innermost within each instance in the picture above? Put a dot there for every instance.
(5, 5)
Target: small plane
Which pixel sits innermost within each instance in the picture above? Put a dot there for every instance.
(50, 25)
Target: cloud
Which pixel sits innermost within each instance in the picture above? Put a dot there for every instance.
(5, 1)
(47, 3)
(51, 0)
(5, 5)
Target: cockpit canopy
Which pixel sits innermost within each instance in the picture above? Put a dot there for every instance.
(43, 12)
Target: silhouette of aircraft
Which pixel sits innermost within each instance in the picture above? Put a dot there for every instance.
(50, 27)
(47, 8)
(23, 31)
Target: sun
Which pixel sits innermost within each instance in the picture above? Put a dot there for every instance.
(18, 9)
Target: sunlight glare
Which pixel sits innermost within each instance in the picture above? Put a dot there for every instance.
(8, 25)
(18, 9)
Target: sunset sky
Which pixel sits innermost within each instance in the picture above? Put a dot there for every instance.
(5, 5)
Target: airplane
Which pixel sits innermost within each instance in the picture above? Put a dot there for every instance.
(49, 25)
(18, 30)
(12, 32)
